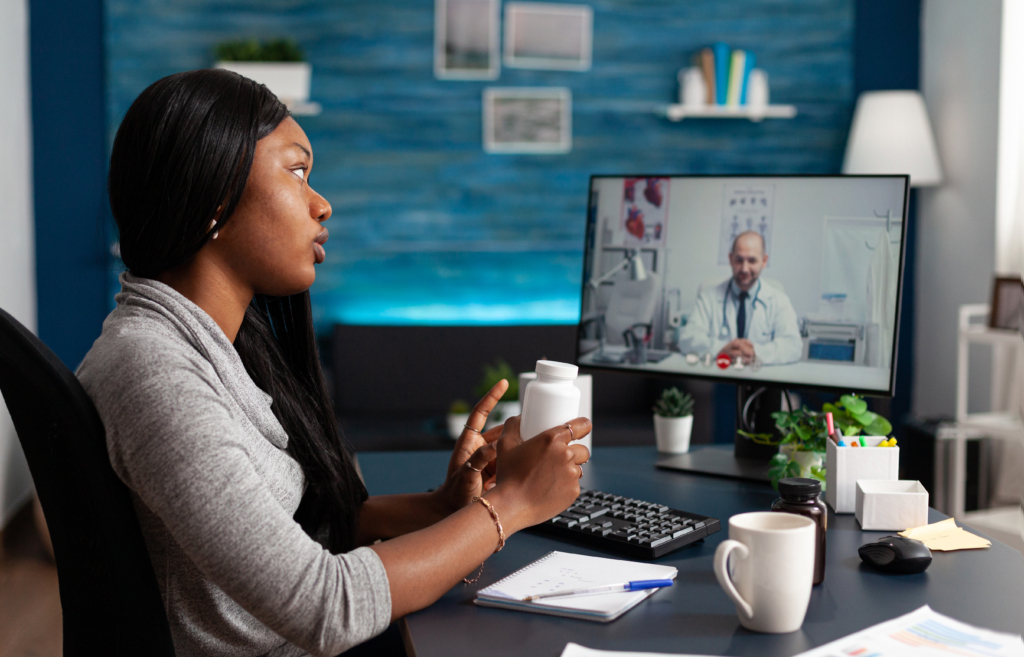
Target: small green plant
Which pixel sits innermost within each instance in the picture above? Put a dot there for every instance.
(251, 50)
(806, 431)
(674, 403)
(496, 372)
(458, 407)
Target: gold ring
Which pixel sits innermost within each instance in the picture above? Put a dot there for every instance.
(471, 428)
(581, 470)
(572, 437)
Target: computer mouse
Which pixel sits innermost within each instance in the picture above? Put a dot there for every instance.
(897, 554)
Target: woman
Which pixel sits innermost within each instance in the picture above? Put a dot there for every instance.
(208, 382)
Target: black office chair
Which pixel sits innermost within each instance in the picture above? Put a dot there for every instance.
(108, 591)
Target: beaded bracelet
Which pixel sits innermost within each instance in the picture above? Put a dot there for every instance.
(501, 535)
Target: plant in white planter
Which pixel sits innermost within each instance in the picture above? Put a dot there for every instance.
(673, 421)
(458, 416)
(278, 64)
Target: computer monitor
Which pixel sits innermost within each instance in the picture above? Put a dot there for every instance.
(785, 281)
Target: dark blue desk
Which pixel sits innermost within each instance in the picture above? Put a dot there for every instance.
(983, 587)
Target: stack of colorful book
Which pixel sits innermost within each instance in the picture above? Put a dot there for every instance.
(726, 73)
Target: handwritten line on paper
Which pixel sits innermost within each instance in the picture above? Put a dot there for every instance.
(945, 536)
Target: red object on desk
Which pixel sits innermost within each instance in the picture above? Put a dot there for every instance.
(723, 361)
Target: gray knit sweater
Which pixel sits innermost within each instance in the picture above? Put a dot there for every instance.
(215, 490)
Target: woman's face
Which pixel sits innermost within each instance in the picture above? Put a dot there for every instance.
(275, 237)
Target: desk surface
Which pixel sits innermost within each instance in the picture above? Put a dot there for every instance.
(807, 373)
(984, 587)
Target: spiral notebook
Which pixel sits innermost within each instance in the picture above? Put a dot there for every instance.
(559, 571)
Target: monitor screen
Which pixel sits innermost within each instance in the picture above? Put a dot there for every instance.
(786, 280)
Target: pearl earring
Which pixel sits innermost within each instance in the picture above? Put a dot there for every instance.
(213, 222)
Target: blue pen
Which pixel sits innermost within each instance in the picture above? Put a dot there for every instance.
(639, 585)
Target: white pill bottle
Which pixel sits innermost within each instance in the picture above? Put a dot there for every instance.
(550, 400)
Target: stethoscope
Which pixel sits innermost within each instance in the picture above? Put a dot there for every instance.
(723, 333)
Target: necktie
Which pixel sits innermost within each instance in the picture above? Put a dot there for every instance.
(741, 316)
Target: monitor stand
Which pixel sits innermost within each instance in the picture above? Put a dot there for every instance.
(744, 459)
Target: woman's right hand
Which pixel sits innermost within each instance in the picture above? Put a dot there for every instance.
(540, 477)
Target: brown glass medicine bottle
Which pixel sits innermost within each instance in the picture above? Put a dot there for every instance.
(801, 496)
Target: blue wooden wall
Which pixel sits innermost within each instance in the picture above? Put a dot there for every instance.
(427, 228)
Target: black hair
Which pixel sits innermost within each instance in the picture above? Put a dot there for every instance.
(181, 159)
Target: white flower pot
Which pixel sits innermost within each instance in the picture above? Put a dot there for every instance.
(501, 412)
(289, 81)
(805, 459)
(673, 433)
(456, 422)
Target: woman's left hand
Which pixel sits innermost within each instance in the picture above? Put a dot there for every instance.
(472, 467)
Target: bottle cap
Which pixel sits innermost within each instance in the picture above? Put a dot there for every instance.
(799, 488)
(557, 370)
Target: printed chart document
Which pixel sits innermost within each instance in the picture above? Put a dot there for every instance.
(560, 571)
(923, 633)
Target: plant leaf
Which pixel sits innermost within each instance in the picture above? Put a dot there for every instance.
(853, 404)
(880, 427)
(865, 418)
(818, 472)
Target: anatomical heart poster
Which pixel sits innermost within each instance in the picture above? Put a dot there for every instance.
(644, 210)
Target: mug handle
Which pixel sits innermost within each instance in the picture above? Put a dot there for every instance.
(725, 548)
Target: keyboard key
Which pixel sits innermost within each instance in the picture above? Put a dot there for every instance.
(563, 522)
(682, 532)
(660, 541)
(574, 516)
(699, 525)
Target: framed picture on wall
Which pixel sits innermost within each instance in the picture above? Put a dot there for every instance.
(527, 120)
(548, 36)
(466, 40)
(1007, 310)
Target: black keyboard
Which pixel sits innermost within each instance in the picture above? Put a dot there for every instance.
(644, 530)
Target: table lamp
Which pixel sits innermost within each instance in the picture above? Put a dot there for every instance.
(633, 260)
(891, 134)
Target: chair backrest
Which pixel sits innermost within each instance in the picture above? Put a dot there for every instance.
(108, 592)
(630, 303)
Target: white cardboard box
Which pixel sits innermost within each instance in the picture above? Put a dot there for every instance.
(845, 465)
(891, 505)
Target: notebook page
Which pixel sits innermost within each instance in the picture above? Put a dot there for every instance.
(559, 571)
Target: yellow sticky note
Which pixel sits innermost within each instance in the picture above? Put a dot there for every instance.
(945, 536)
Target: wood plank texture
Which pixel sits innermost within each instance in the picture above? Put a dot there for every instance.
(427, 228)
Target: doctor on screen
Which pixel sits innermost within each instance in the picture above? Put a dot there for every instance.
(744, 317)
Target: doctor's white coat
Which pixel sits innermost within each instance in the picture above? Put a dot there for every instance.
(771, 324)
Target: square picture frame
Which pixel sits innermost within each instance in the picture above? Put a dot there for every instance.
(548, 36)
(466, 35)
(534, 120)
(1007, 310)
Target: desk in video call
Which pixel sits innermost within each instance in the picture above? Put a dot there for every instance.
(854, 377)
(983, 587)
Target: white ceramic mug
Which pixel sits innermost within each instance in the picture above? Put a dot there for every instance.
(773, 569)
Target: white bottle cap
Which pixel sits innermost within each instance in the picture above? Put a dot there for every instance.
(557, 370)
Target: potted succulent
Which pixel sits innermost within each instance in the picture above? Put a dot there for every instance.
(804, 432)
(458, 416)
(673, 421)
(509, 404)
(279, 64)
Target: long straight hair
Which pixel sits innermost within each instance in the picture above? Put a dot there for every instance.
(181, 159)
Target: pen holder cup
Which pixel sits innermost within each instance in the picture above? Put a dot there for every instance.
(891, 505)
(845, 465)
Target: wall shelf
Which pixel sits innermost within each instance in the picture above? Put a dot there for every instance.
(304, 108)
(680, 112)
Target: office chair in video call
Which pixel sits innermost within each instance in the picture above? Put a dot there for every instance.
(108, 592)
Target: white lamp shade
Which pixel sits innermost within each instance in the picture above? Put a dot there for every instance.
(891, 134)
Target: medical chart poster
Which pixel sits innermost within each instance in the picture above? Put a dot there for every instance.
(644, 211)
(746, 207)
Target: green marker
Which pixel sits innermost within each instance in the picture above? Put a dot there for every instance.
(862, 442)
